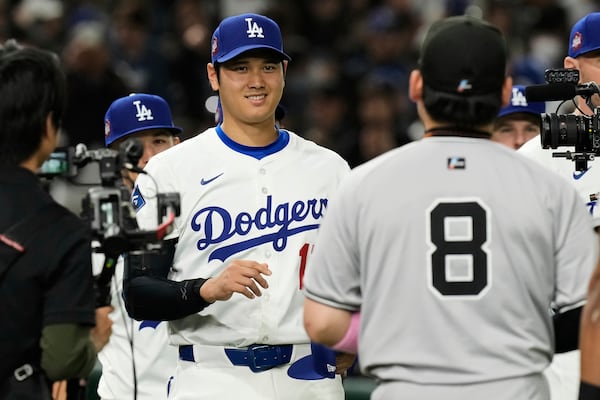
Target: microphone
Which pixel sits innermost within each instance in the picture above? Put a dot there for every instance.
(559, 91)
(550, 92)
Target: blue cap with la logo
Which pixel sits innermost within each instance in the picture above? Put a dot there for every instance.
(137, 112)
(519, 104)
(240, 33)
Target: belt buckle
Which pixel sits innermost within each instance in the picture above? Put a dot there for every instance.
(23, 372)
(254, 352)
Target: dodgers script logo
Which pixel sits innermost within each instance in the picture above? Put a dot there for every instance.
(278, 222)
(143, 112)
(253, 29)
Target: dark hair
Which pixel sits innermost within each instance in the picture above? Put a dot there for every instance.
(522, 116)
(462, 111)
(32, 86)
(258, 53)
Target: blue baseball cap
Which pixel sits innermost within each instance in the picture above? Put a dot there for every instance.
(240, 33)
(137, 112)
(518, 104)
(319, 364)
(585, 35)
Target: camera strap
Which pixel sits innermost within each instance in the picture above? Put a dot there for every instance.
(15, 241)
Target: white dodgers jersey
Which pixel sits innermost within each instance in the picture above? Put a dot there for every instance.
(454, 249)
(586, 182)
(144, 343)
(260, 204)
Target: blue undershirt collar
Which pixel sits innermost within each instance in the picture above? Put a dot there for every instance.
(283, 138)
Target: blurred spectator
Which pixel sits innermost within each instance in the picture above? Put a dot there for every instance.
(379, 121)
(323, 23)
(40, 23)
(92, 84)
(136, 52)
(387, 49)
(537, 38)
(330, 122)
(548, 31)
(188, 56)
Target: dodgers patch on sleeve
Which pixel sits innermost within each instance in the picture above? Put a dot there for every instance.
(137, 199)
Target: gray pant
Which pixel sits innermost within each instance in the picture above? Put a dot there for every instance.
(533, 387)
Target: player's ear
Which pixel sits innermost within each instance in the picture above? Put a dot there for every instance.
(507, 90)
(285, 65)
(570, 62)
(213, 78)
(415, 86)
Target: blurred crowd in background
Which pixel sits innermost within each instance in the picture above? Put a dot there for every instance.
(346, 87)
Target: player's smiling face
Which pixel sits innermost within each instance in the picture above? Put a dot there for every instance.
(250, 87)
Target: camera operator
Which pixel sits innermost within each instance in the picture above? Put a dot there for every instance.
(584, 56)
(46, 285)
(138, 361)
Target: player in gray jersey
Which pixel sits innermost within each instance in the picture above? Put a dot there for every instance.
(453, 247)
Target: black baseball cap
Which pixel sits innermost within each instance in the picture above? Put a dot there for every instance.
(463, 55)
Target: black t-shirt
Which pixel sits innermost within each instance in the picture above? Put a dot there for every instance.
(52, 282)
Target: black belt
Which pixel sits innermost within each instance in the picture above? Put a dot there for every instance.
(257, 357)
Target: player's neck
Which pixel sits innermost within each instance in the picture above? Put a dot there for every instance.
(458, 131)
(253, 135)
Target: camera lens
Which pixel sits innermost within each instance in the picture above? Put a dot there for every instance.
(564, 130)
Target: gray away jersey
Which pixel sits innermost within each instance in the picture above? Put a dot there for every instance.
(454, 250)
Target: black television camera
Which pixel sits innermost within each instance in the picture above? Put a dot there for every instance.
(107, 208)
(579, 131)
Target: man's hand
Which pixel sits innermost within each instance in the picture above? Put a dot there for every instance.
(59, 390)
(101, 332)
(241, 276)
(343, 362)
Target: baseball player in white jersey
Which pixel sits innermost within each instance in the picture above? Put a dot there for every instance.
(252, 199)
(138, 362)
(453, 278)
(583, 55)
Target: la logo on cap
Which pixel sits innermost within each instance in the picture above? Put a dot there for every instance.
(253, 29)
(143, 112)
(518, 98)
